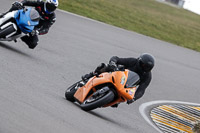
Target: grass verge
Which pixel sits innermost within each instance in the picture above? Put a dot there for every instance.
(148, 17)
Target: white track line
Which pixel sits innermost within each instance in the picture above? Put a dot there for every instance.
(145, 109)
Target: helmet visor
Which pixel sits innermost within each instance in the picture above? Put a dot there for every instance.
(50, 7)
(146, 67)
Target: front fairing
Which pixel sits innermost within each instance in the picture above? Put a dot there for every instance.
(24, 21)
(118, 79)
(82, 92)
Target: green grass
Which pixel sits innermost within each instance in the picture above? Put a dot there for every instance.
(148, 17)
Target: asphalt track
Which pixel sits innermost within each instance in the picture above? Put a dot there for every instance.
(33, 82)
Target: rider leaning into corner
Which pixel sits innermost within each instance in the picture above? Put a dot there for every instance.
(141, 65)
(47, 18)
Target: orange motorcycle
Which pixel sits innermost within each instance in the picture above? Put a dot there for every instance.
(106, 89)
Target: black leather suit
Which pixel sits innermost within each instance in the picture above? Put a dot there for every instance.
(133, 65)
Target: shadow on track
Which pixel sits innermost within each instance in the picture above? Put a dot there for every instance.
(110, 120)
(74, 103)
(103, 117)
(13, 49)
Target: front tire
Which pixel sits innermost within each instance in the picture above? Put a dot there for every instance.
(6, 31)
(89, 104)
(69, 93)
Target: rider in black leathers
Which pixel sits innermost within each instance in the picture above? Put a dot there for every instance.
(47, 18)
(141, 65)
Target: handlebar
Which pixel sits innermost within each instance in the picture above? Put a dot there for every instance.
(117, 67)
(18, 5)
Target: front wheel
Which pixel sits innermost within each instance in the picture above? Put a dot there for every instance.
(7, 31)
(69, 93)
(97, 101)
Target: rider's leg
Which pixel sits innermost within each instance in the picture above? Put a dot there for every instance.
(31, 41)
(97, 71)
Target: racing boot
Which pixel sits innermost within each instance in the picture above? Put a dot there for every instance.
(31, 41)
(115, 105)
(100, 68)
(87, 76)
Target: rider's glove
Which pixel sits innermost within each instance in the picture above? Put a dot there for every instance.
(112, 63)
(112, 66)
(18, 5)
(34, 33)
(130, 101)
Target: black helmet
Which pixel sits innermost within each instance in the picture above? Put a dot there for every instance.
(146, 62)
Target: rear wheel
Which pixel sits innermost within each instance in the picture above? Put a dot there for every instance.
(69, 93)
(6, 31)
(94, 102)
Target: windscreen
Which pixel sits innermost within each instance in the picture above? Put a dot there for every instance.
(133, 79)
(34, 15)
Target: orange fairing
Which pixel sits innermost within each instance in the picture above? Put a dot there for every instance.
(82, 92)
(118, 79)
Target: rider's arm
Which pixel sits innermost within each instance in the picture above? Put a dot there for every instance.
(47, 24)
(32, 3)
(142, 87)
(127, 62)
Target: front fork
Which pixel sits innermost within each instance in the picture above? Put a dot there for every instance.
(101, 91)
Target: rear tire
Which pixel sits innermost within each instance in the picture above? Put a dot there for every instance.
(6, 31)
(99, 102)
(69, 93)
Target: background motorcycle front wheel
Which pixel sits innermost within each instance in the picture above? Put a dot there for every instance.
(93, 103)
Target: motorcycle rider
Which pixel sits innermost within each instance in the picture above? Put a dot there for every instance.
(141, 65)
(47, 18)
